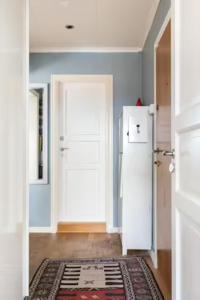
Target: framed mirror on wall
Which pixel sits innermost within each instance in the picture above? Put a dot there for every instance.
(38, 134)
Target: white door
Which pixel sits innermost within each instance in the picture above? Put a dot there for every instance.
(13, 232)
(83, 137)
(186, 195)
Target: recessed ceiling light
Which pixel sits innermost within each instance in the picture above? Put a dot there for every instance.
(69, 27)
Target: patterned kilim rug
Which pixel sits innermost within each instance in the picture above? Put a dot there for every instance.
(100, 279)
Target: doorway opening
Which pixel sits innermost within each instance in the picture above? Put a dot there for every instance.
(79, 195)
(82, 153)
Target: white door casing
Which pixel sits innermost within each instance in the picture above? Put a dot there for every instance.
(186, 140)
(83, 105)
(14, 177)
(153, 253)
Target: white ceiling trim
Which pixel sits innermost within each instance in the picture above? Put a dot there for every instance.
(150, 20)
(87, 50)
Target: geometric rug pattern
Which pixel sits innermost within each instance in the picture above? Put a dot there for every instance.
(99, 279)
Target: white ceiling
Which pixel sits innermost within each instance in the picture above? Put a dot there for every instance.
(101, 25)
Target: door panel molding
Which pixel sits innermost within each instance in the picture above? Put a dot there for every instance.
(56, 81)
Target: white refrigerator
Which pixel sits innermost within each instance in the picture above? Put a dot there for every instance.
(135, 180)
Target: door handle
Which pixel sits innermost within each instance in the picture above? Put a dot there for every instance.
(169, 153)
(64, 148)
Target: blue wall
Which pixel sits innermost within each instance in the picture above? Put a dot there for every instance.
(126, 69)
(148, 52)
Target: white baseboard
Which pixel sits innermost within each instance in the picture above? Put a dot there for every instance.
(114, 230)
(41, 230)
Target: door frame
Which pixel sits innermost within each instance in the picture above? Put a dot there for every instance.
(25, 246)
(56, 80)
(154, 251)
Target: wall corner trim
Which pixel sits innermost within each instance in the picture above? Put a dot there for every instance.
(150, 20)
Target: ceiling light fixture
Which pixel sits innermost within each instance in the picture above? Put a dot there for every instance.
(64, 3)
(69, 27)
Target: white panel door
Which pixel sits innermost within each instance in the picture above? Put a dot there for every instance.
(13, 229)
(82, 151)
(186, 179)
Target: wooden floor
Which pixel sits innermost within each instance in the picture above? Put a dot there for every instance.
(82, 245)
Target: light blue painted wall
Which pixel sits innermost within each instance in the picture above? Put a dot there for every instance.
(148, 52)
(126, 69)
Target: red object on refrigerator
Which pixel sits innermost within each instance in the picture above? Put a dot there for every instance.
(139, 102)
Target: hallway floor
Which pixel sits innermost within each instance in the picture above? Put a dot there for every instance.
(64, 246)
